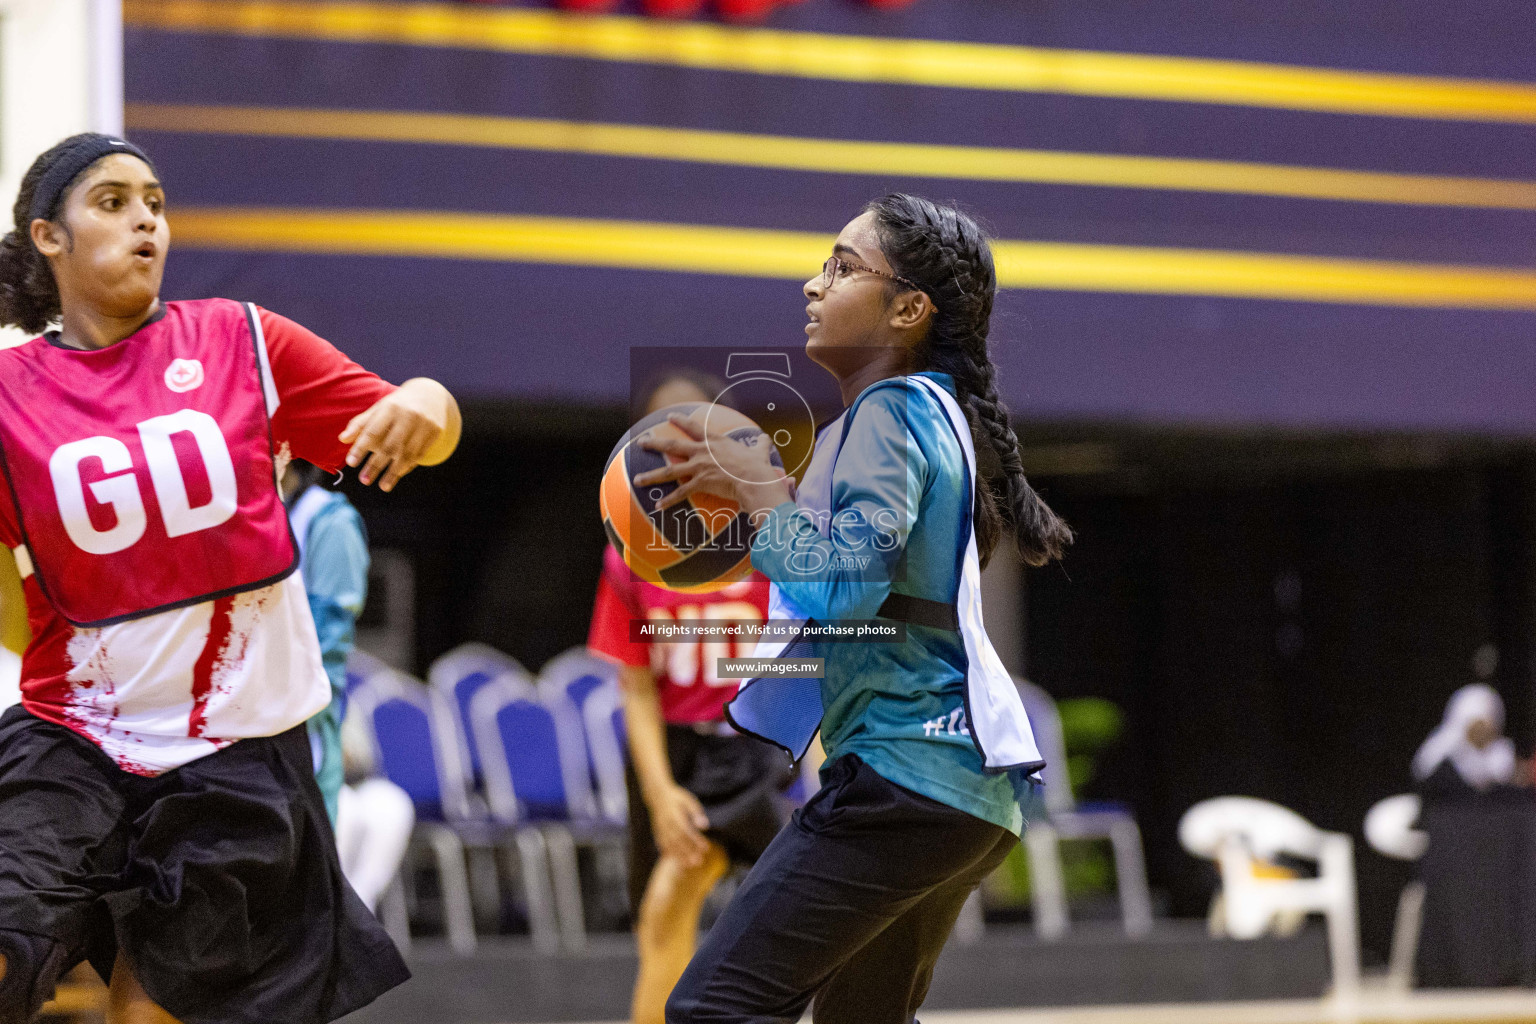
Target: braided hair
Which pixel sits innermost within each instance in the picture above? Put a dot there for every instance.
(29, 296)
(944, 252)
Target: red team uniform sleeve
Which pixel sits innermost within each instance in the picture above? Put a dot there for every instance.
(611, 614)
(319, 390)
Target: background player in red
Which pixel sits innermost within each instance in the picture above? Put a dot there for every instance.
(158, 811)
(700, 796)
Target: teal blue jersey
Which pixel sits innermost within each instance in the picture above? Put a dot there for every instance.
(899, 491)
(335, 568)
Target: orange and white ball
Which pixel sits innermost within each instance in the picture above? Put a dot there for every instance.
(700, 544)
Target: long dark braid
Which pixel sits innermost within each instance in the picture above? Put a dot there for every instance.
(944, 251)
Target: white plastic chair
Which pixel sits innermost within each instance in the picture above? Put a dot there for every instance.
(1237, 832)
(1389, 828)
(1064, 819)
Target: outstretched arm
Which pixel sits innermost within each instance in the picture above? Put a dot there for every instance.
(877, 486)
(330, 411)
(418, 424)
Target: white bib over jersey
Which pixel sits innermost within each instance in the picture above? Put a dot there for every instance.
(788, 712)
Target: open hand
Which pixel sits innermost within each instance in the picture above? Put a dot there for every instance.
(718, 464)
(678, 822)
(417, 424)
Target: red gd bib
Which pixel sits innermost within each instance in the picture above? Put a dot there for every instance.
(143, 473)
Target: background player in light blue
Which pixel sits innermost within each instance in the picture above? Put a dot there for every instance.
(929, 752)
(333, 549)
(372, 817)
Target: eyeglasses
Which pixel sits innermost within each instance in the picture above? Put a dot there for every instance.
(832, 269)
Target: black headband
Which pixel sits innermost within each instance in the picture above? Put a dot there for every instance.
(68, 167)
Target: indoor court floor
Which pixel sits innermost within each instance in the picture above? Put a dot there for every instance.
(1490, 1007)
(1514, 1006)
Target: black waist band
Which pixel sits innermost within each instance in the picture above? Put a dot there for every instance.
(919, 611)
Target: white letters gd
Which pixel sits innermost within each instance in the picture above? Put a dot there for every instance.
(121, 490)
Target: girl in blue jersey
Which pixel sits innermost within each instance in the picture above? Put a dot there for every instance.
(928, 750)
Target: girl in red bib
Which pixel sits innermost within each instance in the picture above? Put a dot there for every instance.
(158, 810)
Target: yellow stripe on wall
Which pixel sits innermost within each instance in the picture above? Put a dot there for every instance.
(839, 156)
(794, 255)
(853, 58)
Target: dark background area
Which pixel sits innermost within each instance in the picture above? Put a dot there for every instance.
(540, 330)
(1285, 618)
(505, 537)
(1279, 615)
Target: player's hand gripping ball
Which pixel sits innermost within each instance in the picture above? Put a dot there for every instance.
(702, 542)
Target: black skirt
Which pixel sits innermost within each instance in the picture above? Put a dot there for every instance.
(218, 880)
(739, 780)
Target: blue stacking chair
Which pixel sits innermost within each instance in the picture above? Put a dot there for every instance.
(361, 666)
(578, 673)
(591, 685)
(413, 750)
(602, 720)
(619, 726)
(533, 753)
(417, 745)
(468, 657)
(536, 774)
(459, 675)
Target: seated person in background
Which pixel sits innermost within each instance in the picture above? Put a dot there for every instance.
(333, 553)
(1469, 750)
(1479, 872)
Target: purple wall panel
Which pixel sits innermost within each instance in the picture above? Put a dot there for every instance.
(490, 329)
(539, 332)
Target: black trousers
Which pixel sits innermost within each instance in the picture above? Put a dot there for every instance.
(850, 906)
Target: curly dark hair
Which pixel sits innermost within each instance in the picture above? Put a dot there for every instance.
(945, 253)
(29, 295)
